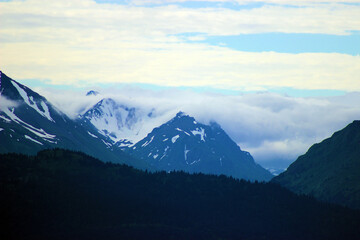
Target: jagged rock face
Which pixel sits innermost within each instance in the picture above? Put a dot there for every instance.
(184, 144)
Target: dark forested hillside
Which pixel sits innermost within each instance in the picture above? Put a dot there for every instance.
(330, 170)
(60, 194)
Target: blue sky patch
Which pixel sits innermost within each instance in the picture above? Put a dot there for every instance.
(284, 42)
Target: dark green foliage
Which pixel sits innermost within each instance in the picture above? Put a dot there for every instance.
(60, 194)
(330, 170)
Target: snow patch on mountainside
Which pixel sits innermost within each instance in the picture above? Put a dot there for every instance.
(148, 142)
(165, 152)
(201, 132)
(31, 139)
(29, 100)
(46, 111)
(94, 136)
(5, 119)
(108, 145)
(180, 130)
(173, 140)
(194, 162)
(39, 132)
(185, 153)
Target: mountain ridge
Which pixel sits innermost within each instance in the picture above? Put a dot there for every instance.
(329, 170)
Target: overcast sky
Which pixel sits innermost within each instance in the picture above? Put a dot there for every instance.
(278, 75)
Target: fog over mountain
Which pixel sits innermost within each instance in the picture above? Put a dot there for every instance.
(275, 128)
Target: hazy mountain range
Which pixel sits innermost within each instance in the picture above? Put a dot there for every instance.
(115, 132)
(110, 131)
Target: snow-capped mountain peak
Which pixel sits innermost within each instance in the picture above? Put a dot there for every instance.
(112, 119)
(122, 124)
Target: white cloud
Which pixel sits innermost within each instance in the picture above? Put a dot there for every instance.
(86, 15)
(6, 103)
(81, 42)
(183, 65)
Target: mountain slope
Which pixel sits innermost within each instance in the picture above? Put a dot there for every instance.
(61, 194)
(184, 144)
(330, 170)
(29, 123)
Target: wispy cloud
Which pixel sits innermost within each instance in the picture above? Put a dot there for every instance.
(6, 103)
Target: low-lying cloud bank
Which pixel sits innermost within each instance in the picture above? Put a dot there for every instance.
(274, 128)
(6, 103)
